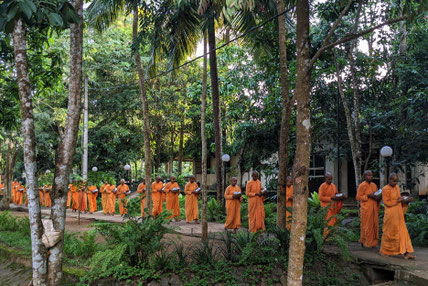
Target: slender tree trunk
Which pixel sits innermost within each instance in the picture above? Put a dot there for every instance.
(180, 148)
(8, 172)
(303, 147)
(171, 166)
(204, 144)
(216, 107)
(147, 132)
(67, 147)
(38, 250)
(85, 133)
(285, 119)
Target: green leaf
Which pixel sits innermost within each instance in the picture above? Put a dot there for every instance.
(55, 19)
(31, 5)
(25, 9)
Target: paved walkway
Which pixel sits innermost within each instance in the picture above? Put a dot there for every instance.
(414, 271)
(181, 227)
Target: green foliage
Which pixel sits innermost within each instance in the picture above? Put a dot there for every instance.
(15, 231)
(138, 238)
(80, 249)
(214, 211)
(314, 201)
(417, 223)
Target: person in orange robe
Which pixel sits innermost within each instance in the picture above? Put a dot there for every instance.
(74, 197)
(289, 200)
(256, 209)
(369, 211)
(104, 197)
(172, 190)
(395, 238)
(233, 206)
(69, 196)
(92, 197)
(157, 192)
(327, 194)
(42, 201)
(82, 198)
(19, 194)
(111, 199)
(141, 189)
(14, 190)
(2, 189)
(46, 193)
(191, 203)
(122, 192)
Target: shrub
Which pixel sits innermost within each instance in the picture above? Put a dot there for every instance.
(214, 211)
(83, 247)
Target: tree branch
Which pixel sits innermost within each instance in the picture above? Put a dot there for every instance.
(330, 33)
(354, 36)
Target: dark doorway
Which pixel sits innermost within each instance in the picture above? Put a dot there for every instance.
(352, 188)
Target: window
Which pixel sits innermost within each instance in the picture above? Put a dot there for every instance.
(317, 167)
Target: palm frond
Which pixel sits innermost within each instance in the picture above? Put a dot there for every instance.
(103, 13)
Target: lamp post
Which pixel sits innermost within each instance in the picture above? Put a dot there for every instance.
(94, 169)
(386, 152)
(127, 168)
(225, 158)
(47, 171)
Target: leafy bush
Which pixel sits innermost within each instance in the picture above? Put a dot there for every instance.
(314, 201)
(81, 247)
(140, 237)
(417, 223)
(214, 211)
(205, 252)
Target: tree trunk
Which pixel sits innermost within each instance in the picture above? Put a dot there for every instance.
(38, 250)
(85, 133)
(8, 172)
(285, 119)
(180, 148)
(171, 157)
(204, 144)
(145, 107)
(67, 147)
(303, 147)
(216, 107)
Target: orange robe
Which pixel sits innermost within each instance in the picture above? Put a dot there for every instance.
(82, 199)
(92, 198)
(172, 203)
(14, 190)
(141, 190)
(26, 197)
(74, 198)
(121, 194)
(395, 238)
(69, 196)
(256, 209)
(233, 208)
(369, 211)
(157, 198)
(48, 202)
(42, 201)
(325, 193)
(2, 189)
(19, 194)
(104, 197)
(288, 204)
(111, 199)
(191, 204)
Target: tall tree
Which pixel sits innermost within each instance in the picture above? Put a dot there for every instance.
(204, 144)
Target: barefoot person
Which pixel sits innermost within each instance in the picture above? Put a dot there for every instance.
(395, 238)
(233, 206)
(92, 197)
(191, 204)
(369, 211)
(327, 194)
(141, 189)
(82, 197)
(157, 192)
(289, 199)
(256, 209)
(122, 192)
(104, 197)
(172, 190)
(111, 198)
